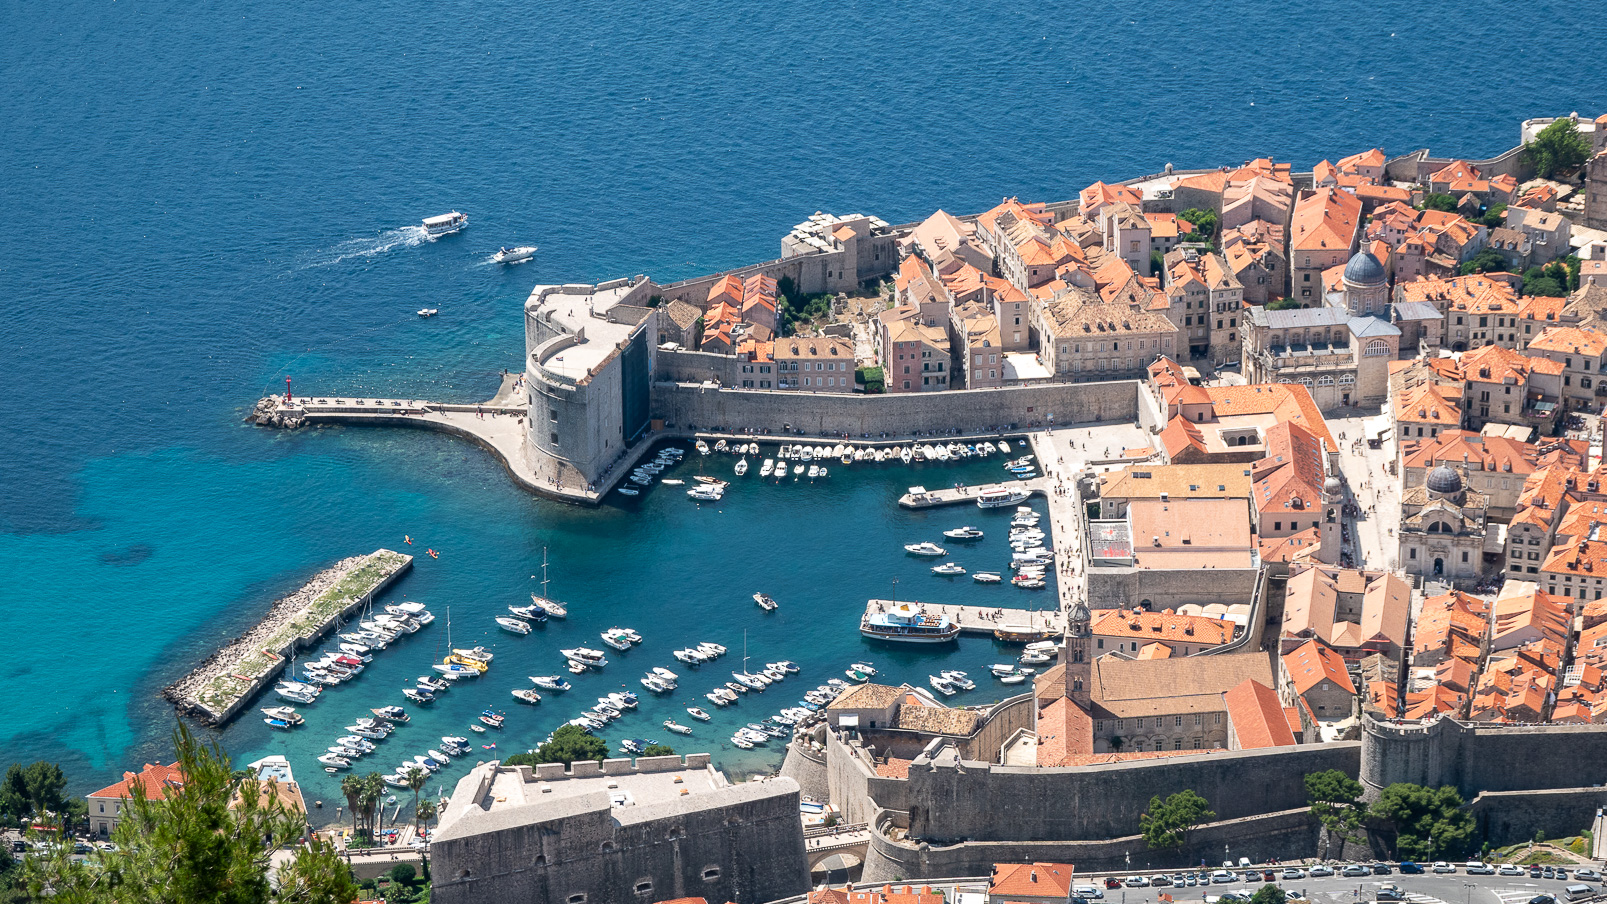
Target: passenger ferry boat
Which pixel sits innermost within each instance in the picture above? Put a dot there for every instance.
(1000, 497)
(908, 623)
(446, 223)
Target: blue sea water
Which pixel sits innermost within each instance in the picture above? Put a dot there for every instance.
(201, 201)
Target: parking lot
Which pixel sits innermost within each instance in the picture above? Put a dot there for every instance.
(1348, 886)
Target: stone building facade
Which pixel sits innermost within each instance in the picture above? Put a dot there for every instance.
(1442, 529)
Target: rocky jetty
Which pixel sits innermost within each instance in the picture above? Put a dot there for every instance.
(273, 412)
(214, 691)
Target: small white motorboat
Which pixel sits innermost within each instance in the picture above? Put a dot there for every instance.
(516, 255)
(629, 491)
(987, 577)
(526, 695)
(766, 602)
(676, 727)
(925, 549)
(742, 467)
(948, 569)
(515, 625)
(941, 685)
(964, 533)
(698, 714)
(428, 312)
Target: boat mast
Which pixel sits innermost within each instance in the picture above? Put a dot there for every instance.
(544, 573)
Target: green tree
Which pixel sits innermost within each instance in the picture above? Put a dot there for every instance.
(373, 792)
(1486, 261)
(1493, 217)
(14, 804)
(351, 786)
(568, 744)
(403, 873)
(1168, 821)
(1282, 304)
(1157, 263)
(1543, 281)
(209, 840)
(1204, 222)
(874, 379)
(1336, 802)
(1268, 894)
(1438, 201)
(1558, 148)
(1426, 822)
(426, 812)
(658, 750)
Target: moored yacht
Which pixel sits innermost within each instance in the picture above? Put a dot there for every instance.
(925, 549)
(909, 623)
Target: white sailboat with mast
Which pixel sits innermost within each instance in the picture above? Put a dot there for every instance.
(552, 607)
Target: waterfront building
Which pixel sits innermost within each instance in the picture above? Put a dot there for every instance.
(1126, 233)
(106, 805)
(1116, 489)
(617, 831)
(1164, 705)
(1125, 631)
(814, 363)
(678, 323)
(1258, 197)
(1324, 229)
(1354, 613)
(1093, 200)
(1442, 529)
(915, 357)
(942, 234)
(1548, 232)
(976, 341)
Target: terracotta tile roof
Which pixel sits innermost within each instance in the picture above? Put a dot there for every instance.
(1288, 550)
(1040, 880)
(1493, 453)
(1532, 611)
(1450, 619)
(1154, 651)
(1287, 401)
(876, 894)
(1569, 339)
(1370, 158)
(1131, 688)
(1163, 626)
(937, 720)
(1291, 476)
(1311, 663)
(1325, 221)
(155, 779)
(1312, 605)
(866, 696)
(1382, 194)
(726, 290)
(1257, 716)
(894, 768)
(1494, 364)
(1208, 481)
(1034, 212)
(1424, 404)
(1100, 194)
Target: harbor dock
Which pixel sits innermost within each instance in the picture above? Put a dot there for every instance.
(222, 685)
(984, 619)
(1037, 486)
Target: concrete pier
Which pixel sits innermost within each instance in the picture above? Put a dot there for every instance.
(986, 619)
(1037, 486)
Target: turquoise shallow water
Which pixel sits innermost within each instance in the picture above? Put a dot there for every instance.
(201, 202)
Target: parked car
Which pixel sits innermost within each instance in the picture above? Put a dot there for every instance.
(1161, 880)
(1268, 875)
(1223, 877)
(1319, 871)
(1507, 869)
(1355, 871)
(1192, 880)
(1292, 873)
(1476, 868)
(1534, 872)
(1408, 868)
(1382, 869)
(1091, 892)
(1542, 899)
(1136, 882)
(1113, 882)
(1562, 872)
(1390, 893)
(1588, 875)
(1179, 880)
(1441, 867)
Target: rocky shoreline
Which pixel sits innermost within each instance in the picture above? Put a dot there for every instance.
(259, 641)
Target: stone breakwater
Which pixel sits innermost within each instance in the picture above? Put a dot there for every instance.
(216, 690)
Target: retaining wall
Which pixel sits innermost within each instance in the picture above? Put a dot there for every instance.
(978, 801)
(1285, 835)
(1510, 817)
(1483, 758)
(687, 407)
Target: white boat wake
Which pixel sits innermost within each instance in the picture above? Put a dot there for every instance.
(369, 246)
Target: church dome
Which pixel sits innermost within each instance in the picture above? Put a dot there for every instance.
(1444, 481)
(1332, 486)
(1365, 270)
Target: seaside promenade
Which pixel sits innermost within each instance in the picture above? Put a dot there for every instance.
(985, 619)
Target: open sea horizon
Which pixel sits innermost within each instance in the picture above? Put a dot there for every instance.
(204, 202)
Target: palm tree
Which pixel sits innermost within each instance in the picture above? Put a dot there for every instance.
(373, 793)
(415, 778)
(352, 787)
(425, 812)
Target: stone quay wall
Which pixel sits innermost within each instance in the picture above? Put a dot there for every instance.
(688, 408)
(1285, 835)
(1511, 817)
(981, 802)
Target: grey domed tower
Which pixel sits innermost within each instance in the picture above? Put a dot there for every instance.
(1366, 285)
(1444, 483)
(1079, 654)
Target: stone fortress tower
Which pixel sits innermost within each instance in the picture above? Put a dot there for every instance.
(1330, 537)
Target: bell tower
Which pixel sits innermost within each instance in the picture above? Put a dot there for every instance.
(1079, 654)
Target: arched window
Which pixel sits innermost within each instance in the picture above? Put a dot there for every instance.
(1439, 527)
(1375, 348)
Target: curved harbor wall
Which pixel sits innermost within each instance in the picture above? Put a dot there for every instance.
(692, 407)
(807, 768)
